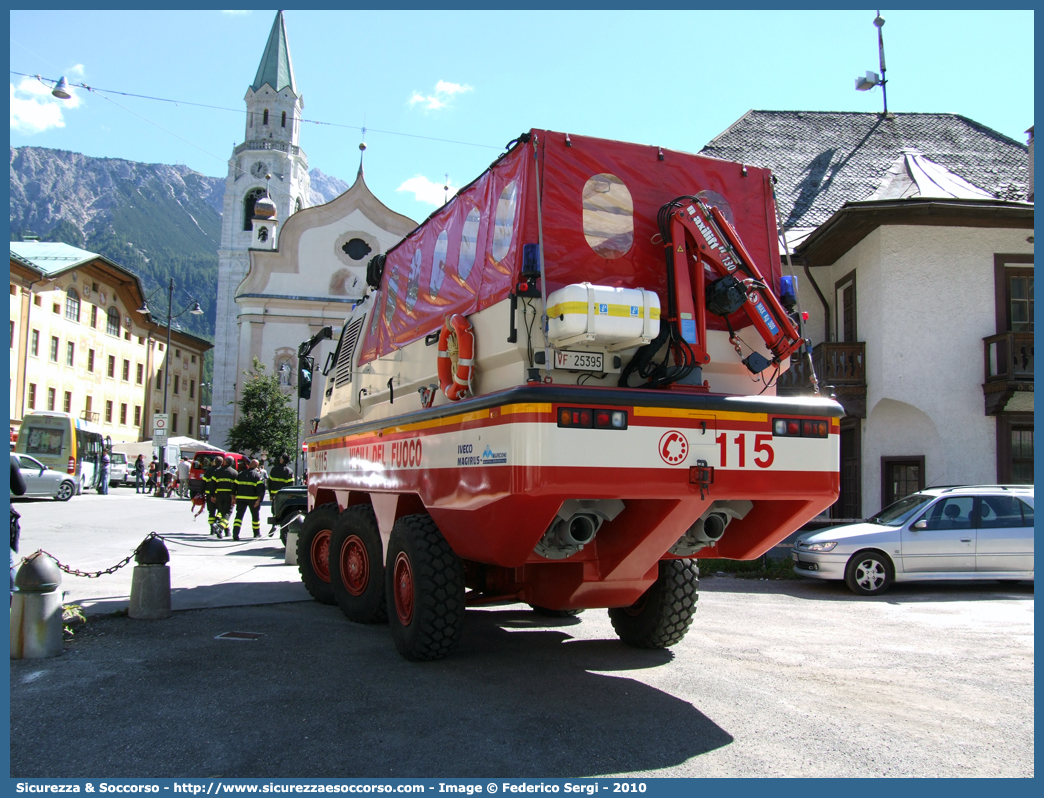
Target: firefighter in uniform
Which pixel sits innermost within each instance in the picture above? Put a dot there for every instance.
(250, 489)
(224, 484)
(209, 484)
(281, 475)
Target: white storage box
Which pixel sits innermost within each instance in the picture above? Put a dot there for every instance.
(599, 315)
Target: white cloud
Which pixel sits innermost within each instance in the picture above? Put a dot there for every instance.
(34, 109)
(442, 87)
(426, 191)
(444, 92)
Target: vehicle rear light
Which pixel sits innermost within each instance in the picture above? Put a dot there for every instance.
(71, 468)
(587, 418)
(801, 427)
(813, 429)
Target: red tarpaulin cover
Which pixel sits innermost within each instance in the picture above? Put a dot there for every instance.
(600, 201)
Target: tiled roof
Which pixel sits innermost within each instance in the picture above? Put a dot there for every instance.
(825, 159)
(276, 69)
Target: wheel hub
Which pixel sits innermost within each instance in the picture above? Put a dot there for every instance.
(321, 554)
(403, 589)
(355, 566)
(870, 575)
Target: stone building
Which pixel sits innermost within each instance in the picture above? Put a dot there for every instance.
(80, 345)
(912, 240)
(285, 270)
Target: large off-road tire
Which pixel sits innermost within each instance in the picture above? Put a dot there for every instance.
(664, 613)
(313, 552)
(869, 573)
(548, 613)
(425, 590)
(357, 566)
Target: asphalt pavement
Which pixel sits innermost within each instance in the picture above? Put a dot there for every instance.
(780, 678)
(93, 533)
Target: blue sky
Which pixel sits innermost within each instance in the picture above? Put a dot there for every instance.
(421, 81)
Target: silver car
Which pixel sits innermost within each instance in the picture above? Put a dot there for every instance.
(969, 533)
(120, 472)
(42, 481)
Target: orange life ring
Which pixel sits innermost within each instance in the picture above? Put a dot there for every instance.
(456, 357)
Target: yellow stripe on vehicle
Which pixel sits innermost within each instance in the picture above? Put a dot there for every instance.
(581, 309)
(673, 412)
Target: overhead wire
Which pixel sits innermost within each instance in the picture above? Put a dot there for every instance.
(232, 162)
(98, 90)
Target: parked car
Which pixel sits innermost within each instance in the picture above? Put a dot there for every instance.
(286, 505)
(120, 472)
(976, 532)
(42, 481)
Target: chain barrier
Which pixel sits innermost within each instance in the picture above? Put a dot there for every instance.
(126, 560)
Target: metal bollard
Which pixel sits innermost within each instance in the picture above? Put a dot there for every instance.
(150, 582)
(36, 610)
(292, 529)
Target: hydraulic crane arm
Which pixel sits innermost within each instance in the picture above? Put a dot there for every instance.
(699, 238)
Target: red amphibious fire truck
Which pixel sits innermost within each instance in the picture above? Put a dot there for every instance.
(559, 390)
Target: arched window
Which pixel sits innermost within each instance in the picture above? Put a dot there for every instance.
(297, 205)
(72, 305)
(112, 322)
(265, 120)
(284, 119)
(248, 207)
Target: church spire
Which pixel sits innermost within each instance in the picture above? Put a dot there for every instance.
(276, 68)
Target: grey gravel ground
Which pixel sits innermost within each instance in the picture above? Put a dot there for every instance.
(782, 678)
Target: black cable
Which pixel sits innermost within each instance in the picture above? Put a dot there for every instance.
(527, 305)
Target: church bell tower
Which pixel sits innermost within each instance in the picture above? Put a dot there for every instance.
(270, 148)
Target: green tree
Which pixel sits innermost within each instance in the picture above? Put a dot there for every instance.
(267, 418)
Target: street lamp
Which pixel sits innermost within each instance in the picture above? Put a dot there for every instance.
(195, 310)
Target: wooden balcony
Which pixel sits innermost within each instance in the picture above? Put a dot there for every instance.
(841, 369)
(1008, 360)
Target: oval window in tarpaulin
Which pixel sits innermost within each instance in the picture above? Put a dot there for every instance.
(504, 222)
(391, 289)
(413, 281)
(468, 244)
(438, 264)
(608, 216)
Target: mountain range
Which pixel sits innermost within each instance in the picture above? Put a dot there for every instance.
(157, 220)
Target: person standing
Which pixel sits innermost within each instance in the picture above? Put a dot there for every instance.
(183, 475)
(139, 474)
(281, 475)
(150, 486)
(103, 475)
(250, 489)
(209, 487)
(224, 485)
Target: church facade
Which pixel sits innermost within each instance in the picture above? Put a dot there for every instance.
(283, 276)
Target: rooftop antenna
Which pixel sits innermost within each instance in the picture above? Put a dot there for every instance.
(872, 79)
